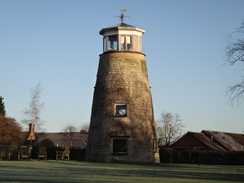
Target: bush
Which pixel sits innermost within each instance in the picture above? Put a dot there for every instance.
(78, 154)
(202, 157)
(166, 155)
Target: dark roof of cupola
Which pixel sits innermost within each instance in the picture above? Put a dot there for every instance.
(121, 25)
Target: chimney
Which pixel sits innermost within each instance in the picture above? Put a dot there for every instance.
(31, 132)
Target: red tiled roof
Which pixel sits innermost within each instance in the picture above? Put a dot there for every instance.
(228, 142)
(238, 137)
(207, 141)
(212, 140)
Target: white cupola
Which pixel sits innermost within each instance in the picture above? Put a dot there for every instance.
(122, 37)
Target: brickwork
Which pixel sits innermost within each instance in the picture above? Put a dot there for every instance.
(122, 79)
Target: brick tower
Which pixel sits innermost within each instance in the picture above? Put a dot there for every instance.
(122, 126)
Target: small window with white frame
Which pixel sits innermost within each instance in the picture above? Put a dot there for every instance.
(120, 110)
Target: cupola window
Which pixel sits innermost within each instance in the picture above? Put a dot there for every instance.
(125, 42)
(104, 44)
(122, 42)
(112, 42)
(128, 43)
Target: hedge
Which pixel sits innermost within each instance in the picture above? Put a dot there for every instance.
(202, 157)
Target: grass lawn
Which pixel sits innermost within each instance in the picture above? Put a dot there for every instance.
(75, 171)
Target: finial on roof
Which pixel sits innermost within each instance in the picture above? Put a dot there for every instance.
(122, 16)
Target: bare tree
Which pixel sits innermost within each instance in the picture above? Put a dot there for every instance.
(85, 127)
(70, 130)
(235, 54)
(169, 128)
(32, 113)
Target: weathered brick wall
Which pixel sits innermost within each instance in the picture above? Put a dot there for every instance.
(122, 79)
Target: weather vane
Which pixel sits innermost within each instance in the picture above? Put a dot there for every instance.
(122, 16)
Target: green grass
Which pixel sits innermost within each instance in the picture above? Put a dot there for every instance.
(74, 171)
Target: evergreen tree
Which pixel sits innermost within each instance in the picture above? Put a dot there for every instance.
(2, 107)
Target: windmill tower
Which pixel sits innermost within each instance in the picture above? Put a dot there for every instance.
(122, 126)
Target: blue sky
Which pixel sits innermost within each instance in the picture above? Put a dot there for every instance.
(57, 42)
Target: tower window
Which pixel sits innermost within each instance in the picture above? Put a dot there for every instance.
(112, 43)
(119, 145)
(120, 110)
